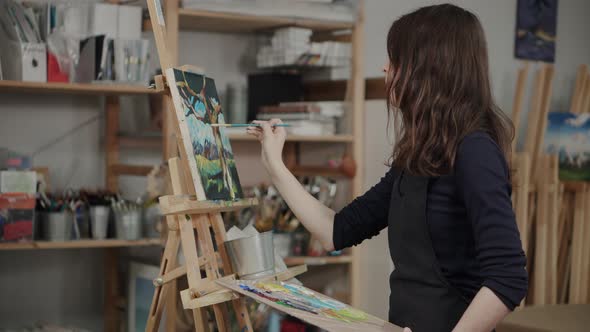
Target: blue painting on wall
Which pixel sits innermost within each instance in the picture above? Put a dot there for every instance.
(536, 29)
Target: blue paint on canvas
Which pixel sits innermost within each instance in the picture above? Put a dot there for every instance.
(211, 147)
(536, 30)
(568, 136)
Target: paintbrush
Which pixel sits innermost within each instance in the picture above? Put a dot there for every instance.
(244, 125)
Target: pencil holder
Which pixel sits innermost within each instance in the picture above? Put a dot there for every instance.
(128, 225)
(99, 216)
(57, 226)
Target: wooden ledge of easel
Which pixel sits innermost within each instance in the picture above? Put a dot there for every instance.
(290, 273)
(212, 293)
(575, 186)
(207, 287)
(210, 299)
(160, 83)
(188, 204)
(570, 186)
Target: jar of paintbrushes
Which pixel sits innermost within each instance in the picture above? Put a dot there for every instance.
(56, 217)
(127, 219)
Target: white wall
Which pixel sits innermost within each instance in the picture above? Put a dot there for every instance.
(27, 122)
(498, 20)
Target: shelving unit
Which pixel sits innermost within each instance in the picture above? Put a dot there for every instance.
(214, 21)
(80, 244)
(199, 20)
(105, 89)
(111, 93)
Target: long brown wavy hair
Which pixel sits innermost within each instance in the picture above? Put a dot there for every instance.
(438, 86)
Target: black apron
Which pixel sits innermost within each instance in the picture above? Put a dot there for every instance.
(421, 298)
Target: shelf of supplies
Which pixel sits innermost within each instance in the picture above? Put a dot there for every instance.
(73, 88)
(300, 138)
(324, 260)
(79, 244)
(214, 21)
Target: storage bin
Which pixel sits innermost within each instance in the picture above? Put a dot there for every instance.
(17, 217)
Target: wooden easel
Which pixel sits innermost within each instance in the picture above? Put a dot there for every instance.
(185, 216)
(579, 271)
(193, 222)
(181, 229)
(537, 190)
(554, 227)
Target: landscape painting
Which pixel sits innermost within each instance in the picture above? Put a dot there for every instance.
(568, 136)
(208, 148)
(536, 29)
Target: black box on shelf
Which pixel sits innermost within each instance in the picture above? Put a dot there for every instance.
(265, 89)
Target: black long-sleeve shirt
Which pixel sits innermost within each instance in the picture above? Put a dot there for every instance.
(470, 220)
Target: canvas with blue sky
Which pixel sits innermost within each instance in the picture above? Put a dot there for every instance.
(568, 136)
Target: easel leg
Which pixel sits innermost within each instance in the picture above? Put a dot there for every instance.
(201, 223)
(171, 298)
(239, 305)
(162, 293)
(193, 272)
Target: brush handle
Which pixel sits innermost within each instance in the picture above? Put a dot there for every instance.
(245, 125)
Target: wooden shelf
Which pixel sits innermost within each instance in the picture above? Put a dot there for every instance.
(325, 260)
(299, 138)
(73, 88)
(213, 21)
(79, 244)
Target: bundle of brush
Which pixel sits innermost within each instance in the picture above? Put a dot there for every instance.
(128, 218)
(73, 201)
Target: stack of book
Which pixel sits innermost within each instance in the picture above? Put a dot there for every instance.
(306, 118)
(292, 47)
(285, 47)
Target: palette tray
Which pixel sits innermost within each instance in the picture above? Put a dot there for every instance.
(309, 306)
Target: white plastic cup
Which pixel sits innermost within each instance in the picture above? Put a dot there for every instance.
(100, 220)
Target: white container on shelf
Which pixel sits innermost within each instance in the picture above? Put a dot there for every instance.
(23, 61)
(99, 217)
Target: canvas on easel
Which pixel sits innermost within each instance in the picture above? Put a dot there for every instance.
(209, 152)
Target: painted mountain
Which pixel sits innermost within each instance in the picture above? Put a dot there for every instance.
(568, 136)
(196, 96)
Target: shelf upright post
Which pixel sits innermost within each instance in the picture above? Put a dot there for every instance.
(357, 95)
(169, 146)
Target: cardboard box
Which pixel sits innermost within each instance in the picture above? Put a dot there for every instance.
(17, 217)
